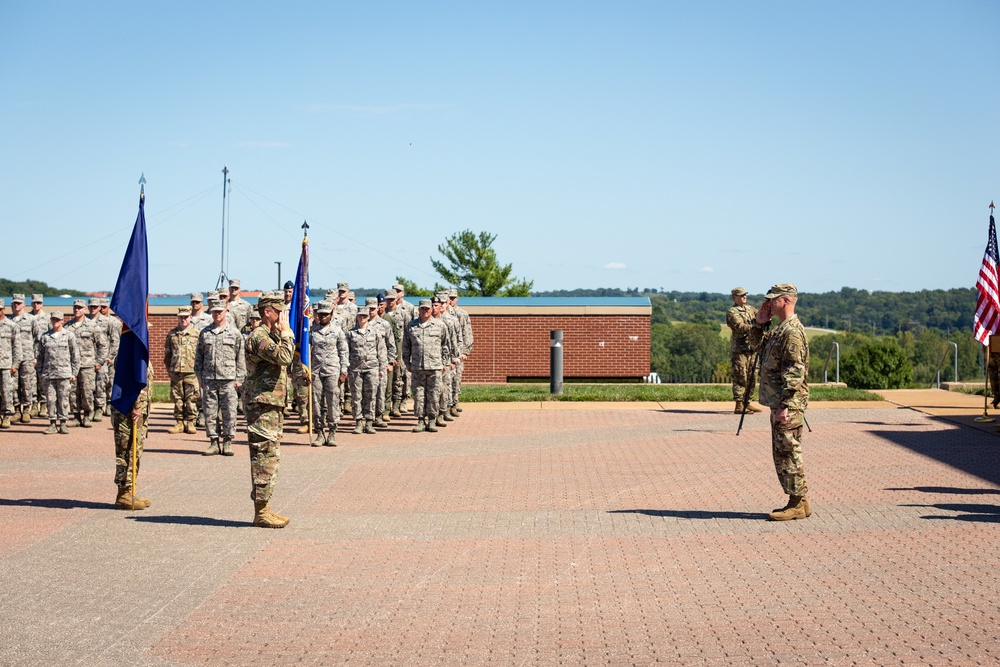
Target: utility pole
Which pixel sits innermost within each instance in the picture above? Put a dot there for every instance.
(279, 274)
(222, 256)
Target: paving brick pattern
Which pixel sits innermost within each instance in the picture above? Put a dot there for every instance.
(512, 537)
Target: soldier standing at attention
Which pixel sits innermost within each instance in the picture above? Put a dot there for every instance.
(426, 353)
(101, 377)
(440, 311)
(268, 352)
(42, 324)
(408, 312)
(220, 365)
(114, 340)
(238, 308)
(785, 389)
(59, 365)
(92, 345)
(465, 327)
(179, 351)
(374, 320)
(366, 364)
(10, 360)
(394, 383)
(122, 425)
(328, 361)
(24, 392)
(740, 318)
(200, 318)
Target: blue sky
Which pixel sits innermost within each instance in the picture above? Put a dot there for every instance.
(685, 145)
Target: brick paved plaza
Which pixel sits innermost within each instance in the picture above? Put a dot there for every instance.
(516, 536)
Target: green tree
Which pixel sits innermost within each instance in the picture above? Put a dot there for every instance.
(411, 287)
(687, 352)
(473, 267)
(881, 364)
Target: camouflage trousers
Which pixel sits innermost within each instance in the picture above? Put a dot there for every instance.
(456, 383)
(742, 369)
(380, 393)
(426, 393)
(184, 393)
(8, 387)
(109, 382)
(326, 402)
(122, 427)
(264, 426)
(786, 447)
(220, 398)
(994, 374)
(26, 382)
(364, 386)
(81, 399)
(444, 394)
(398, 379)
(58, 391)
(100, 379)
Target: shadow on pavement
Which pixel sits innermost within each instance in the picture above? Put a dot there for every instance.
(947, 489)
(973, 512)
(57, 503)
(191, 521)
(153, 450)
(957, 446)
(694, 514)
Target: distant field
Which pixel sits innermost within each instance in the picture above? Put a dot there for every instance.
(811, 332)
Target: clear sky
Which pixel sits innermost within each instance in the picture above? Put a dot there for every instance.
(693, 146)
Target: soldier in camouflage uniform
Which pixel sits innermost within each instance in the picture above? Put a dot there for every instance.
(220, 365)
(26, 380)
(42, 324)
(407, 312)
(465, 327)
(200, 318)
(253, 321)
(179, 350)
(238, 308)
(10, 361)
(328, 361)
(268, 352)
(122, 425)
(394, 383)
(785, 389)
(367, 362)
(374, 320)
(101, 376)
(740, 318)
(347, 312)
(114, 340)
(58, 357)
(440, 311)
(426, 353)
(93, 351)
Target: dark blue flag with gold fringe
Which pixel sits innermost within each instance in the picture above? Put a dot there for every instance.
(298, 318)
(129, 303)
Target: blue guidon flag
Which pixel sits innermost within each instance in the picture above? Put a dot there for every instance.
(129, 303)
(298, 318)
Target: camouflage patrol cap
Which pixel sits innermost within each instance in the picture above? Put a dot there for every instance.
(254, 315)
(184, 311)
(391, 293)
(424, 303)
(213, 295)
(94, 301)
(364, 312)
(56, 315)
(399, 288)
(343, 287)
(215, 305)
(37, 298)
(330, 294)
(80, 303)
(738, 291)
(324, 308)
(197, 297)
(275, 299)
(439, 299)
(453, 294)
(371, 302)
(18, 298)
(234, 283)
(782, 289)
(105, 302)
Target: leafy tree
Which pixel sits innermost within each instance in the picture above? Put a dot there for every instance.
(412, 289)
(881, 364)
(687, 352)
(474, 268)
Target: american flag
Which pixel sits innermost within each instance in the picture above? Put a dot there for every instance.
(987, 318)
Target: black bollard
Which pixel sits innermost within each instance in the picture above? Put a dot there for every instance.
(556, 363)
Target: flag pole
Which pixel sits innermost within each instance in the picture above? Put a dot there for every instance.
(986, 366)
(132, 424)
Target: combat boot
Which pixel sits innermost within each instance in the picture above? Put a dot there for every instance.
(380, 422)
(52, 429)
(98, 415)
(5, 421)
(25, 415)
(420, 427)
(369, 427)
(213, 448)
(265, 518)
(432, 426)
(796, 509)
(440, 422)
(454, 411)
(177, 428)
(754, 408)
(302, 429)
(63, 429)
(227, 447)
(43, 410)
(107, 410)
(200, 421)
(458, 407)
(394, 411)
(86, 422)
(739, 408)
(35, 407)
(805, 504)
(189, 426)
(319, 440)
(359, 427)
(446, 415)
(331, 439)
(126, 501)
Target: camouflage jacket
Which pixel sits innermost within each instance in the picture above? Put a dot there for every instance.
(91, 340)
(10, 345)
(267, 356)
(26, 337)
(240, 310)
(114, 336)
(785, 364)
(201, 320)
(58, 355)
(348, 314)
(366, 348)
(328, 355)
(180, 348)
(740, 319)
(41, 324)
(396, 319)
(219, 355)
(390, 337)
(426, 345)
(457, 344)
(465, 323)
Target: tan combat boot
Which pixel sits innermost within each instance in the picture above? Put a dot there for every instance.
(319, 440)
(265, 518)
(63, 428)
(52, 429)
(5, 421)
(805, 503)
(189, 427)
(331, 438)
(420, 427)
(446, 415)
(394, 411)
(35, 407)
(227, 447)
(43, 410)
(177, 428)
(125, 500)
(454, 411)
(754, 407)
(302, 429)
(369, 427)
(359, 427)
(25, 415)
(98, 415)
(431, 425)
(440, 421)
(380, 422)
(739, 408)
(796, 509)
(213, 448)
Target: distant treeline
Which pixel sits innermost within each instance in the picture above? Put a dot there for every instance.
(29, 287)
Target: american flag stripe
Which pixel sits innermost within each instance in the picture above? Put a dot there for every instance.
(987, 318)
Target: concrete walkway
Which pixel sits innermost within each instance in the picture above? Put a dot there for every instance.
(520, 534)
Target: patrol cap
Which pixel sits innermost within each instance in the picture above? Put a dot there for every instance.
(330, 294)
(324, 308)
(274, 300)
(105, 302)
(216, 305)
(18, 298)
(391, 293)
(453, 294)
(184, 311)
(80, 303)
(738, 291)
(362, 312)
(94, 301)
(213, 295)
(254, 315)
(439, 299)
(399, 288)
(782, 289)
(424, 303)
(343, 287)
(56, 315)
(234, 283)
(37, 298)
(371, 302)
(197, 297)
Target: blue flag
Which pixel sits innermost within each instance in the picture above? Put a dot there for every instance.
(129, 303)
(298, 318)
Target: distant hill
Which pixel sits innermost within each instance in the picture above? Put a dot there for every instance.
(29, 287)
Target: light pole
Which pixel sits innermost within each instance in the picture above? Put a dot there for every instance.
(279, 274)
